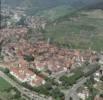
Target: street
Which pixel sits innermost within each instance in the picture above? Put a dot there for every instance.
(30, 94)
(72, 92)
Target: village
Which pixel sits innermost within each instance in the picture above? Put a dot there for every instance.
(25, 60)
(42, 56)
(37, 64)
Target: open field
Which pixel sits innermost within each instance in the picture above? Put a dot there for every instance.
(7, 92)
(4, 85)
(82, 29)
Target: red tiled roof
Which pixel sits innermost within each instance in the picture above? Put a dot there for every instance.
(38, 81)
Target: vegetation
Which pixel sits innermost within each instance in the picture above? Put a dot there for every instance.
(92, 90)
(91, 70)
(70, 98)
(21, 21)
(6, 70)
(77, 74)
(9, 92)
(101, 95)
(4, 85)
(48, 90)
(50, 7)
(28, 58)
(80, 30)
(69, 81)
(101, 78)
(57, 94)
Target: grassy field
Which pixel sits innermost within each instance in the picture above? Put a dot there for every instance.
(83, 30)
(4, 85)
(7, 92)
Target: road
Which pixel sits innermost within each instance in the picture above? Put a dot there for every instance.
(30, 94)
(34, 96)
(72, 92)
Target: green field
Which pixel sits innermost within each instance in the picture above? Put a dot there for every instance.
(82, 29)
(7, 92)
(4, 85)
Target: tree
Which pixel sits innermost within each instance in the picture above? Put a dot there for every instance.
(28, 58)
(101, 71)
(48, 86)
(6, 70)
(21, 21)
(92, 79)
(92, 91)
(87, 63)
(70, 98)
(56, 93)
(101, 78)
(17, 95)
(48, 71)
(101, 95)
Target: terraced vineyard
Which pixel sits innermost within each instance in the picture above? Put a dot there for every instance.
(82, 29)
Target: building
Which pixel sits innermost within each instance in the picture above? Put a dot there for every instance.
(83, 93)
(25, 75)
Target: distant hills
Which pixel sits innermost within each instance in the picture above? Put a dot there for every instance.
(37, 5)
(53, 9)
(49, 3)
(98, 5)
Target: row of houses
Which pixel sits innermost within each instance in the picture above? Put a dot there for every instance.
(20, 70)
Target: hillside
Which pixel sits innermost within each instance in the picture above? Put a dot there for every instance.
(98, 5)
(52, 9)
(82, 29)
(76, 23)
(50, 3)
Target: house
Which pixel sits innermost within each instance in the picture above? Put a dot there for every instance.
(40, 66)
(25, 75)
(98, 98)
(83, 93)
(101, 59)
(37, 81)
(97, 76)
